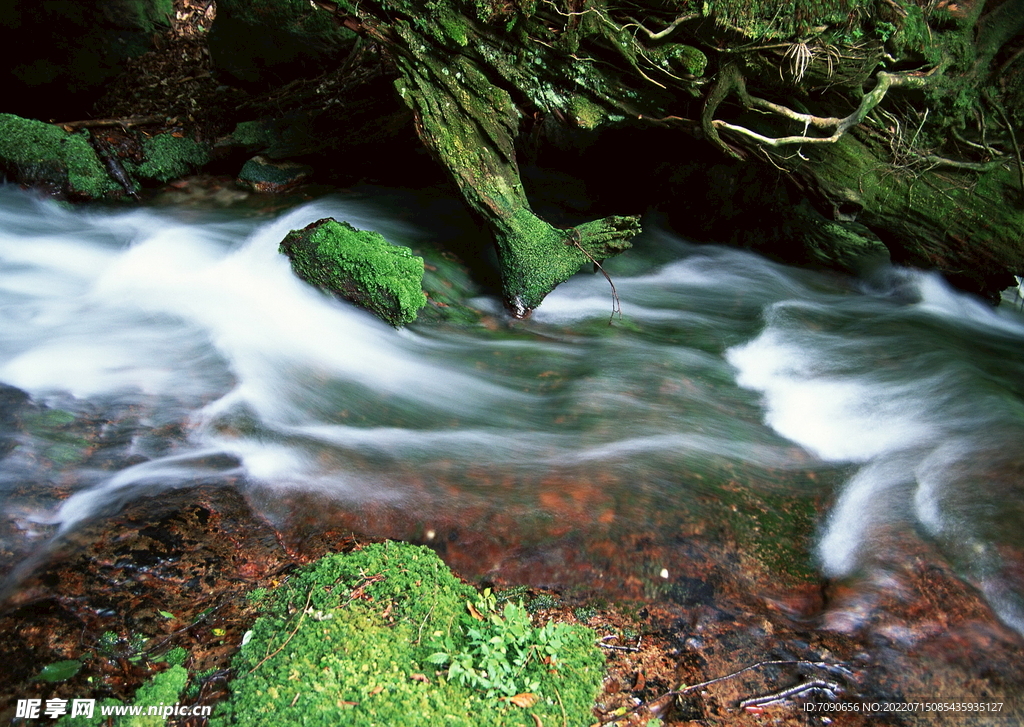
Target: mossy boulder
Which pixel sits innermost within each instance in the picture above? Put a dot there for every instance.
(359, 266)
(169, 155)
(35, 153)
(354, 639)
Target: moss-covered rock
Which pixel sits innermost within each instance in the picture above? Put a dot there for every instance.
(359, 266)
(260, 174)
(36, 153)
(169, 155)
(354, 639)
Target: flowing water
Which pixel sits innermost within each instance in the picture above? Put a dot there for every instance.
(845, 410)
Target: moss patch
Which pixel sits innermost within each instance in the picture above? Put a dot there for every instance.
(161, 690)
(359, 266)
(168, 156)
(33, 152)
(353, 639)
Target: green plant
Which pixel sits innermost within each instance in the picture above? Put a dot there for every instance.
(353, 639)
(256, 595)
(512, 595)
(543, 602)
(107, 643)
(501, 648)
(583, 614)
(176, 656)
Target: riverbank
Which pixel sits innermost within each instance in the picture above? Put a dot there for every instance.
(173, 572)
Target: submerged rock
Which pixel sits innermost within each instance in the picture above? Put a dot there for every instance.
(359, 266)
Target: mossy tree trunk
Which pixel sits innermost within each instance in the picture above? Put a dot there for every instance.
(899, 113)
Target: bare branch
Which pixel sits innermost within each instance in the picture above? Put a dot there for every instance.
(125, 122)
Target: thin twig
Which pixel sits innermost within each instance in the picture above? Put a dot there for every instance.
(290, 636)
(784, 694)
(616, 302)
(692, 687)
(565, 719)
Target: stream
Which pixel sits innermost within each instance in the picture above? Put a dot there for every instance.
(737, 406)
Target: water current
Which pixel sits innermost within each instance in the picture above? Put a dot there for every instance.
(887, 404)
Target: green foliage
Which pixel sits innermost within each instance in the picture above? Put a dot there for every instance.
(176, 656)
(256, 595)
(359, 266)
(59, 671)
(780, 20)
(584, 613)
(542, 603)
(350, 640)
(502, 649)
(511, 595)
(107, 643)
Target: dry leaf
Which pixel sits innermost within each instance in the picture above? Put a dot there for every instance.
(417, 677)
(524, 700)
(473, 612)
(376, 690)
(641, 682)
(536, 720)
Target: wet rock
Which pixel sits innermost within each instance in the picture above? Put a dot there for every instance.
(261, 174)
(359, 266)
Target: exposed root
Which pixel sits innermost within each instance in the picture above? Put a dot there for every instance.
(840, 126)
(664, 32)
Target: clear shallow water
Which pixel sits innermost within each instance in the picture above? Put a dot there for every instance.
(186, 334)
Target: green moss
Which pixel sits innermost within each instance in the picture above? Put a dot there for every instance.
(263, 175)
(786, 19)
(359, 266)
(254, 133)
(585, 113)
(675, 57)
(299, 17)
(34, 152)
(349, 640)
(168, 156)
(162, 690)
(60, 443)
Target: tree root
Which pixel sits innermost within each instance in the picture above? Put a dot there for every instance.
(870, 100)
